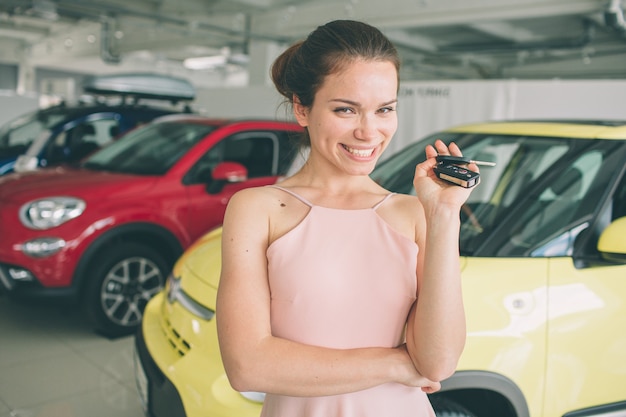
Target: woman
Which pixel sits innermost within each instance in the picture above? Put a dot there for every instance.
(337, 297)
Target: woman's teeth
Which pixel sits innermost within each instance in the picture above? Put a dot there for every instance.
(359, 152)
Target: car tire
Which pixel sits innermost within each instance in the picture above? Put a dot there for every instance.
(447, 408)
(121, 283)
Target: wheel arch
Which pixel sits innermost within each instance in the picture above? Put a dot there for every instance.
(493, 386)
(151, 235)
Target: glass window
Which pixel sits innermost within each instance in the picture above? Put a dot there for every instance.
(80, 140)
(150, 150)
(618, 206)
(17, 135)
(257, 151)
(539, 190)
(555, 211)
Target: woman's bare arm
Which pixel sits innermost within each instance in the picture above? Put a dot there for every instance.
(436, 329)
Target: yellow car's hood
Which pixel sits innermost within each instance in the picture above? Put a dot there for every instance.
(200, 265)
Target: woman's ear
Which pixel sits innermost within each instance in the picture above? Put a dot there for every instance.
(300, 112)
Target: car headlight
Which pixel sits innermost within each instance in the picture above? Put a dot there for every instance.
(50, 212)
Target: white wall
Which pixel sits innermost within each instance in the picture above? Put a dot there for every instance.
(258, 101)
(426, 107)
(12, 106)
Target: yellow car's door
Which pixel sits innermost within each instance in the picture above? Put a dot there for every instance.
(506, 304)
(586, 356)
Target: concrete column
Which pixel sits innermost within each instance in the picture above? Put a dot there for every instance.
(262, 55)
(25, 75)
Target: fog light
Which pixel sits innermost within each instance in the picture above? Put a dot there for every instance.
(45, 246)
(19, 274)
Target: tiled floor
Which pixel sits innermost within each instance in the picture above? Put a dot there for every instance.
(53, 365)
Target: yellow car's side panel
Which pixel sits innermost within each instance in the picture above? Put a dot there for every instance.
(586, 336)
(506, 309)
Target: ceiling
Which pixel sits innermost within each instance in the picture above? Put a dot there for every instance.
(437, 39)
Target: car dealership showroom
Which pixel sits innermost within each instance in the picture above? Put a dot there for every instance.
(126, 126)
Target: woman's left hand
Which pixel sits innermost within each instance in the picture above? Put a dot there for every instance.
(433, 191)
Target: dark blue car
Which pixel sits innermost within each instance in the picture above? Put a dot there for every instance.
(66, 134)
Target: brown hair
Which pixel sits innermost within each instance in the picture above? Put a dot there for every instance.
(300, 70)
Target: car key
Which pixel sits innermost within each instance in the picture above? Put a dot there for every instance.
(454, 174)
(448, 170)
(462, 160)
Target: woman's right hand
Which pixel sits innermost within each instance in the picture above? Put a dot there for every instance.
(409, 376)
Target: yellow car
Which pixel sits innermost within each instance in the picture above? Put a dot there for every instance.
(543, 245)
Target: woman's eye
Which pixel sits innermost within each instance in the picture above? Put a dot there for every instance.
(386, 110)
(343, 110)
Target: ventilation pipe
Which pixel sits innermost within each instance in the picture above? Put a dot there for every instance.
(107, 41)
(614, 16)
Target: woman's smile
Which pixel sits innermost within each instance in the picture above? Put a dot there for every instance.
(360, 152)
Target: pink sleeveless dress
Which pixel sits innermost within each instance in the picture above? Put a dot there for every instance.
(344, 279)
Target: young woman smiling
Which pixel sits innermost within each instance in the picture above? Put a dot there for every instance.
(337, 297)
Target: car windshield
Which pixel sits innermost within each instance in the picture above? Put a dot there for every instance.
(150, 150)
(538, 194)
(18, 134)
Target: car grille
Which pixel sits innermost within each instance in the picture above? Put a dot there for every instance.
(178, 343)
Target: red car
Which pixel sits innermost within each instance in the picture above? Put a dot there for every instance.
(108, 231)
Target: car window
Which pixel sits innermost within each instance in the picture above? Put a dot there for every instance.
(540, 190)
(17, 135)
(618, 204)
(81, 140)
(555, 211)
(258, 152)
(262, 153)
(150, 150)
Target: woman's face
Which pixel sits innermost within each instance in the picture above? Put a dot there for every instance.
(353, 116)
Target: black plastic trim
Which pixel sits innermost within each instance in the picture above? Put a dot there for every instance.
(617, 409)
(164, 400)
(489, 381)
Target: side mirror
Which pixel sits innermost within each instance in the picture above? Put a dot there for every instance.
(224, 173)
(26, 163)
(612, 242)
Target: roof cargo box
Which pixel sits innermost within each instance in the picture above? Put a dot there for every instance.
(152, 86)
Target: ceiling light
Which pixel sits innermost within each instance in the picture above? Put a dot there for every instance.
(204, 62)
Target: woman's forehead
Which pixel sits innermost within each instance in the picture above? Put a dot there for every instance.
(365, 77)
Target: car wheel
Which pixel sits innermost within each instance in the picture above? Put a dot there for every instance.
(123, 279)
(447, 408)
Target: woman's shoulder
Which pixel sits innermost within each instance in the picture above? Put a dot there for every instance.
(258, 195)
(405, 213)
(406, 202)
(256, 199)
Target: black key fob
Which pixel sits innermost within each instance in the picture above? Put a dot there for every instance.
(457, 175)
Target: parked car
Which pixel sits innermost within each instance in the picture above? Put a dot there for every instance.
(67, 133)
(544, 280)
(108, 231)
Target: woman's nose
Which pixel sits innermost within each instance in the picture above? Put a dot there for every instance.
(366, 128)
